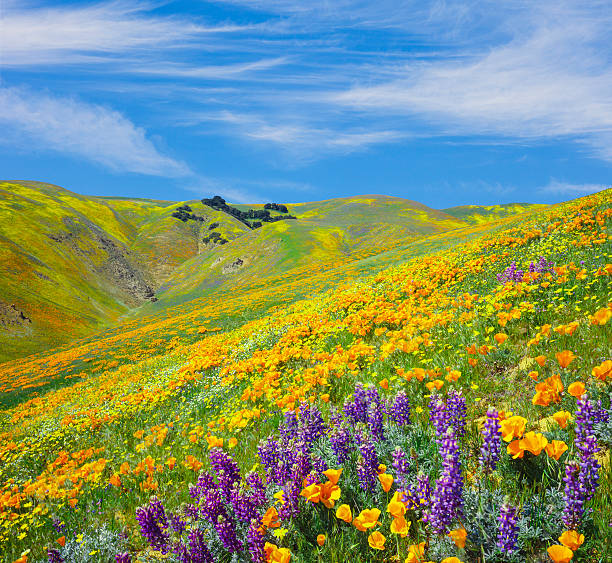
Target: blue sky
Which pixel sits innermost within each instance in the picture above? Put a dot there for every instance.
(444, 102)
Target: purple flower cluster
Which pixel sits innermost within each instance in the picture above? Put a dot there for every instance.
(513, 274)
(123, 558)
(54, 556)
(401, 467)
(491, 443)
(154, 525)
(581, 477)
(375, 421)
(446, 415)
(399, 409)
(341, 442)
(197, 551)
(367, 467)
(507, 535)
(447, 501)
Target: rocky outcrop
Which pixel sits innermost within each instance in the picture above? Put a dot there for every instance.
(13, 319)
(233, 266)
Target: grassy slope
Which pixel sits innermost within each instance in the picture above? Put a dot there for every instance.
(475, 214)
(357, 333)
(58, 270)
(326, 233)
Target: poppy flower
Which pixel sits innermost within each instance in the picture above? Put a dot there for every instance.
(560, 553)
(344, 513)
(576, 389)
(377, 540)
(571, 539)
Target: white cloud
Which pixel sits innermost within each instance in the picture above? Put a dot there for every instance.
(296, 138)
(73, 33)
(229, 71)
(89, 131)
(551, 80)
(557, 187)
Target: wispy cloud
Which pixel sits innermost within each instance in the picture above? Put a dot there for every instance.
(232, 71)
(297, 138)
(76, 33)
(550, 80)
(566, 188)
(93, 132)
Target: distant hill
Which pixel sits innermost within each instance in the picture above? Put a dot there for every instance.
(475, 214)
(72, 265)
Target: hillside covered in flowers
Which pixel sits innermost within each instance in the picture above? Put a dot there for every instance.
(447, 400)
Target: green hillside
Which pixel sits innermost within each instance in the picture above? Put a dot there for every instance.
(475, 214)
(74, 265)
(71, 264)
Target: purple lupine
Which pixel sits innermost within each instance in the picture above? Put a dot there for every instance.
(227, 534)
(438, 414)
(226, 469)
(153, 524)
(244, 508)
(491, 443)
(456, 412)
(356, 409)
(291, 497)
(177, 523)
(423, 489)
(54, 556)
(511, 273)
(367, 467)
(507, 534)
(204, 484)
(312, 425)
(341, 442)
(574, 496)
(123, 558)
(600, 415)
(212, 505)
(198, 550)
(587, 446)
(400, 465)
(256, 542)
(288, 429)
(399, 409)
(319, 465)
(375, 421)
(268, 451)
(258, 489)
(446, 501)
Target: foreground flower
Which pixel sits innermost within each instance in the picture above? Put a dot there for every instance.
(416, 553)
(344, 513)
(376, 540)
(400, 526)
(491, 433)
(571, 539)
(367, 519)
(560, 553)
(565, 358)
(556, 448)
(533, 442)
(458, 536)
(513, 427)
(508, 528)
(562, 417)
(321, 539)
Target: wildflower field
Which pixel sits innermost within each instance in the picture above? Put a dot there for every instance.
(448, 400)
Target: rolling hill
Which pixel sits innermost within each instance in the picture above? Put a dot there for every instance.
(72, 264)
